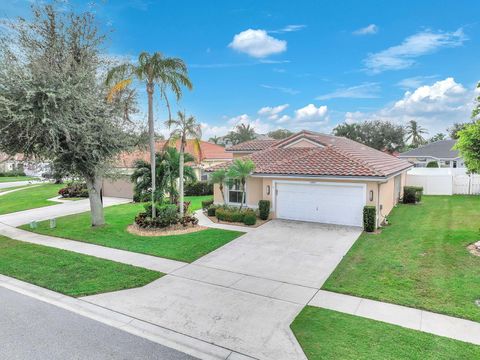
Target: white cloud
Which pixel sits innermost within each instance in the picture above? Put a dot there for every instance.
(257, 43)
(435, 106)
(415, 81)
(283, 119)
(288, 28)
(312, 114)
(272, 112)
(403, 56)
(363, 91)
(367, 30)
(285, 90)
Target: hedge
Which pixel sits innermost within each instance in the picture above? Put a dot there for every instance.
(412, 194)
(263, 209)
(369, 214)
(432, 164)
(206, 204)
(199, 188)
(231, 214)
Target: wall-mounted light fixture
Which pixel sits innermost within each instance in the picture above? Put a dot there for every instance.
(268, 189)
(371, 195)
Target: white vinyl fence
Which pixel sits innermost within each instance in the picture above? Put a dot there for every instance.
(444, 181)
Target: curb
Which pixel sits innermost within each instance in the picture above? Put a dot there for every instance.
(186, 344)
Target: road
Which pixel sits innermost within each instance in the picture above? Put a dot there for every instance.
(31, 329)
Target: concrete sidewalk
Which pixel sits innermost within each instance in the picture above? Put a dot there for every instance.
(6, 185)
(426, 321)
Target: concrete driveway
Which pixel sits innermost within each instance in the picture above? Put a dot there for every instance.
(244, 295)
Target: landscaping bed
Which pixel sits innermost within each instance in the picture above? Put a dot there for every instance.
(420, 260)
(186, 247)
(327, 334)
(67, 272)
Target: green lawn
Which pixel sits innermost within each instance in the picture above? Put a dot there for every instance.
(68, 272)
(187, 247)
(420, 260)
(29, 198)
(16, 178)
(196, 201)
(326, 334)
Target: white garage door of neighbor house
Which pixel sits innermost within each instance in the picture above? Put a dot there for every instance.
(323, 203)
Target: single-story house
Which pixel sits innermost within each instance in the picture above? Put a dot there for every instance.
(11, 163)
(439, 151)
(319, 178)
(121, 186)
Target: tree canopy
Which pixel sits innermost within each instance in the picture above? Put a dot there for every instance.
(280, 134)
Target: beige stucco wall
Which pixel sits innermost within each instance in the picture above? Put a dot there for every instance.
(121, 187)
(302, 144)
(257, 190)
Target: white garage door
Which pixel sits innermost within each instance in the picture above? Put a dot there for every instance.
(325, 203)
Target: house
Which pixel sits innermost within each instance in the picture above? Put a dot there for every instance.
(11, 163)
(316, 177)
(439, 151)
(121, 185)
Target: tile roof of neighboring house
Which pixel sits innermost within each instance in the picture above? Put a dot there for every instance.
(253, 145)
(441, 149)
(335, 156)
(16, 157)
(209, 152)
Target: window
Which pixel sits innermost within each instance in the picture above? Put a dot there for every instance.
(235, 193)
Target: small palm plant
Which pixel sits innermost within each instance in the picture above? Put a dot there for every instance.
(219, 177)
(184, 128)
(240, 170)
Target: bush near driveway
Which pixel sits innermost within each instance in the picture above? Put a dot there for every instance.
(369, 214)
(326, 334)
(68, 272)
(419, 260)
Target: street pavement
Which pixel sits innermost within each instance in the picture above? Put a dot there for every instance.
(31, 329)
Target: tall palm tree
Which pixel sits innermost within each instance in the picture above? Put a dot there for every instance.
(214, 139)
(244, 133)
(219, 177)
(240, 170)
(184, 128)
(415, 132)
(152, 69)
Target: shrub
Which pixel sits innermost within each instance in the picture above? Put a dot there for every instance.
(432, 164)
(186, 206)
(211, 210)
(74, 189)
(412, 194)
(264, 209)
(188, 219)
(166, 215)
(199, 188)
(206, 204)
(229, 214)
(249, 218)
(369, 214)
(12, 173)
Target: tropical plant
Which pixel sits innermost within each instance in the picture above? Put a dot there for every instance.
(214, 140)
(185, 128)
(152, 69)
(415, 133)
(468, 144)
(244, 133)
(219, 177)
(437, 137)
(455, 128)
(239, 170)
(167, 174)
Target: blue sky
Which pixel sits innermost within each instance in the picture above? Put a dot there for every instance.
(305, 64)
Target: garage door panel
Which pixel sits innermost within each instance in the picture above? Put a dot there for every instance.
(334, 204)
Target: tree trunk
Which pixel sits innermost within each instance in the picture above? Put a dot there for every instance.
(94, 186)
(180, 185)
(151, 135)
(243, 194)
(220, 186)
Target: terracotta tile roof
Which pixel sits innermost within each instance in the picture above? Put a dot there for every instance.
(253, 145)
(209, 152)
(335, 156)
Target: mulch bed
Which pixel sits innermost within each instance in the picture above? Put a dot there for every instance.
(258, 223)
(171, 230)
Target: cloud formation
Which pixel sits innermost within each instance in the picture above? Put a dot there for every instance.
(257, 43)
(364, 91)
(403, 56)
(367, 30)
(312, 114)
(285, 90)
(272, 112)
(288, 28)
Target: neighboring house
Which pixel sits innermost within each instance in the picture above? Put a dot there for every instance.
(440, 151)
(121, 186)
(223, 140)
(321, 178)
(11, 163)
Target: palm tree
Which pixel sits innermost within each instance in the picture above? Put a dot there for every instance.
(219, 177)
(239, 171)
(152, 69)
(414, 133)
(214, 139)
(244, 133)
(167, 173)
(184, 128)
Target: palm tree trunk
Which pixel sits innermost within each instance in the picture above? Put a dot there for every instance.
(180, 185)
(151, 135)
(243, 194)
(220, 186)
